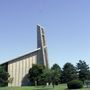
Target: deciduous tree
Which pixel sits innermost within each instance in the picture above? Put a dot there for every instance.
(3, 77)
(34, 74)
(56, 73)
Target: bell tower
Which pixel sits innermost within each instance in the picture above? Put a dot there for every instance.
(41, 43)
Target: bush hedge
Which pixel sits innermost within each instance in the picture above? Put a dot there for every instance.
(75, 84)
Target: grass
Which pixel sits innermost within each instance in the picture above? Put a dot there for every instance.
(59, 87)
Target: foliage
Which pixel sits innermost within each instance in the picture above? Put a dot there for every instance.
(50, 75)
(69, 73)
(83, 70)
(39, 75)
(88, 76)
(3, 77)
(75, 84)
(56, 73)
(45, 76)
(87, 83)
(35, 74)
(56, 67)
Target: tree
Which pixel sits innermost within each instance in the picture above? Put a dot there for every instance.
(83, 70)
(88, 77)
(68, 73)
(3, 77)
(45, 77)
(56, 73)
(56, 67)
(34, 74)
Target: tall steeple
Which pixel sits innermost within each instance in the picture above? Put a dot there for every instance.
(41, 43)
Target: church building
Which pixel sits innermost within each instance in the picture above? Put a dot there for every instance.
(18, 68)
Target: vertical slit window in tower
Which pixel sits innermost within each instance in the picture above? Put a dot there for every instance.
(43, 37)
(43, 40)
(42, 31)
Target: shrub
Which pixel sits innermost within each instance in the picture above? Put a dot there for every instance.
(75, 84)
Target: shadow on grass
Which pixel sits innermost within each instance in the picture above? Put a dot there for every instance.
(47, 89)
(43, 89)
(66, 89)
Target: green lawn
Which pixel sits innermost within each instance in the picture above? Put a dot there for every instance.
(59, 87)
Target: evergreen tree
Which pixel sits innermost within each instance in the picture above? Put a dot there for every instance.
(68, 73)
(83, 70)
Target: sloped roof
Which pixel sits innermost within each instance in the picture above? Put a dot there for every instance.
(21, 56)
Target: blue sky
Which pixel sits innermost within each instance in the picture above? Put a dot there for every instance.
(66, 23)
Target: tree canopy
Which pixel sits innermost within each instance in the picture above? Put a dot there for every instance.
(83, 70)
(35, 74)
(39, 75)
(56, 73)
(68, 73)
(3, 77)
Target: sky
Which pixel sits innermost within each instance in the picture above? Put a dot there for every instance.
(66, 23)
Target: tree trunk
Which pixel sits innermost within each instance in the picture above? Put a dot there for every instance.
(35, 83)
